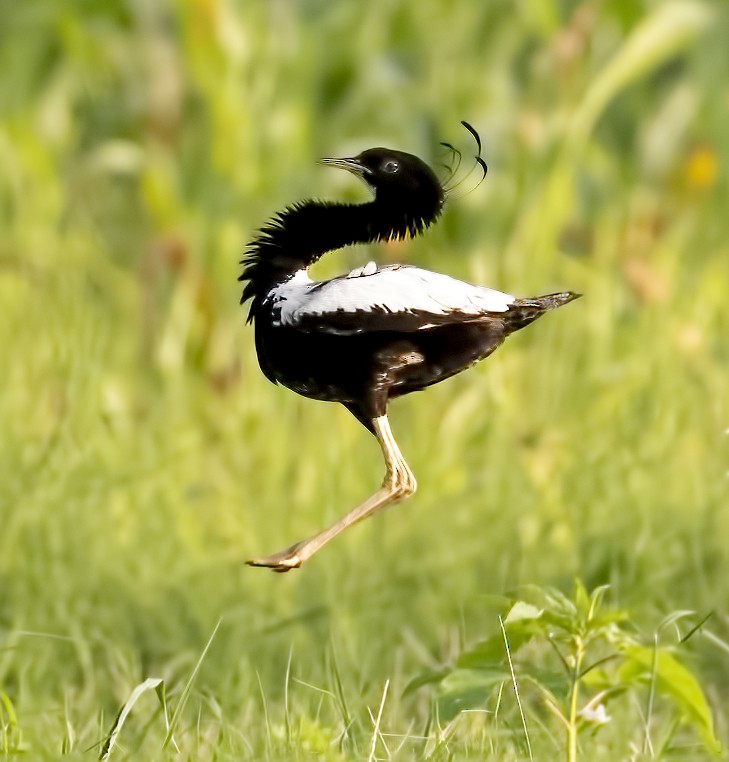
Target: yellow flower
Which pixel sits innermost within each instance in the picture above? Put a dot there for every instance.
(702, 167)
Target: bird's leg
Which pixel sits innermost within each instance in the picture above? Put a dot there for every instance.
(399, 483)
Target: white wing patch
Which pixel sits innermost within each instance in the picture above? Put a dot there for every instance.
(396, 289)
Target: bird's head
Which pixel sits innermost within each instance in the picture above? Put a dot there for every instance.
(399, 181)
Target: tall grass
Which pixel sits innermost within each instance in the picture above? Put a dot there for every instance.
(143, 456)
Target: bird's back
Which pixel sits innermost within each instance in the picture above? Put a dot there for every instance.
(409, 326)
(397, 298)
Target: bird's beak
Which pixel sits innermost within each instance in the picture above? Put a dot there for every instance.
(351, 165)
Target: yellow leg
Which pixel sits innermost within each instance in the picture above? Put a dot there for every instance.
(399, 483)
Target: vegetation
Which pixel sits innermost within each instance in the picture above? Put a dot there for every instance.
(143, 456)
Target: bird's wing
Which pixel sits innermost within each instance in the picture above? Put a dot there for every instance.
(397, 298)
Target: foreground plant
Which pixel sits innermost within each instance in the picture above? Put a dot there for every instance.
(575, 657)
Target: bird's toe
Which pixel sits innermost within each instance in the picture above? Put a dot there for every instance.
(281, 562)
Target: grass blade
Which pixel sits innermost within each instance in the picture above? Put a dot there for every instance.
(376, 731)
(664, 33)
(188, 688)
(151, 683)
(516, 689)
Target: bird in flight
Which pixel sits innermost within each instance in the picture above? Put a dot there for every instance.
(376, 333)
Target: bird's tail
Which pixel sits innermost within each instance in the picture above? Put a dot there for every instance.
(524, 311)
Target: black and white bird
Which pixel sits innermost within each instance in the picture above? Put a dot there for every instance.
(374, 334)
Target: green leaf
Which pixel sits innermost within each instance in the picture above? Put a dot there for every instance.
(467, 689)
(596, 599)
(673, 681)
(558, 609)
(484, 654)
(520, 611)
(548, 681)
(426, 678)
(582, 600)
(603, 620)
(492, 651)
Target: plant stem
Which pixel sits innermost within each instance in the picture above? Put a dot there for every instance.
(572, 726)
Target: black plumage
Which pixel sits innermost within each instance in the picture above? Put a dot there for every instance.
(374, 334)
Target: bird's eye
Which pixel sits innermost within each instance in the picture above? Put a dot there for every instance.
(391, 167)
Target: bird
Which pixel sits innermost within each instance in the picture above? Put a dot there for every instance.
(378, 332)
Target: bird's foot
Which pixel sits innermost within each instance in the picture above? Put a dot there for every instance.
(283, 561)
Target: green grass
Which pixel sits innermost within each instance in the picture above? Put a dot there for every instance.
(143, 456)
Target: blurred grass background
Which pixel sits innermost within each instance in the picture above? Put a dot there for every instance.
(143, 456)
